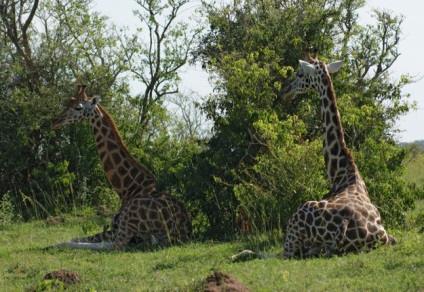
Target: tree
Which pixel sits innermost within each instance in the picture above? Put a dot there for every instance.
(158, 60)
(50, 46)
(251, 48)
(46, 47)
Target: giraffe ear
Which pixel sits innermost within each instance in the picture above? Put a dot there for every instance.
(307, 68)
(335, 66)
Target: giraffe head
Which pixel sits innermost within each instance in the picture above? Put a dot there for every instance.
(311, 75)
(79, 108)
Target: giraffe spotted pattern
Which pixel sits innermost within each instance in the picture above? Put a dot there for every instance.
(345, 220)
(146, 214)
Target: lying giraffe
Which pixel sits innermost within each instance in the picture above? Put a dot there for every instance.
(146, 214)
(345, 220)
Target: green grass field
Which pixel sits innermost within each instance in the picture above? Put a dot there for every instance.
(24, 262)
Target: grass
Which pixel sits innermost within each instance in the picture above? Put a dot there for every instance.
(24, 262)
(414, 169)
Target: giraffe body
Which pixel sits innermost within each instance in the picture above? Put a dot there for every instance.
(345, 220)
(336, 225)
(146, 214)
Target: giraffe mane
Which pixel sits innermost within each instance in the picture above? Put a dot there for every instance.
(114, 129)
(332, 95)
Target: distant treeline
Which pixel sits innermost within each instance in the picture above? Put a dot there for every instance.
(419, 143)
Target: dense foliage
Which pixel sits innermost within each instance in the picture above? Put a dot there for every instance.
(47, 47)
(263, 156)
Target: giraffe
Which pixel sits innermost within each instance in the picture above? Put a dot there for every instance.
(146, 214)
(345, 220)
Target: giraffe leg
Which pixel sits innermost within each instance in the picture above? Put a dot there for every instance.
(105, 245)
(314, 250)
(123, 238)
(293, 247)
(99, 237)
(339, 239)
(97, 241)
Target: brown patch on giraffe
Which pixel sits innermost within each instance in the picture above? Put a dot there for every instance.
(331, 227)
(309, 218)
(337, 220)
(166, 214)
(115, 181)
(333, 167)
(111, 146)
(104, 131)
(107, 165)
(325, 81)
(336, 119)
(122, 171)
(134, 172)
(100, 145)
(127, 164)
(324, 103)
(116, 158)
(158, 224)
(335, 149)
(327, 216)
(127, 180)
(143, 216)
(343, 162)
(327, 117)
(221, 281)
(111, 135)
(330, 134)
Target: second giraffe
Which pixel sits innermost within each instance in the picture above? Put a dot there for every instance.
(345, 220)
(146, 214)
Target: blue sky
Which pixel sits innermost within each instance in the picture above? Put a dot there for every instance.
(410, 61)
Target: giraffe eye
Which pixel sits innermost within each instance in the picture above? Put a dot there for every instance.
(78, 108)
(300, 74)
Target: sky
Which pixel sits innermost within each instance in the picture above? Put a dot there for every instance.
(411, 60)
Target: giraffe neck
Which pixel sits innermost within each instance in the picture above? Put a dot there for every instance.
(341, 168)
(127, 176)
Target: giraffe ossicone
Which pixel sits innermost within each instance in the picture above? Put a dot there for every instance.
(146, 214)
(345, 220)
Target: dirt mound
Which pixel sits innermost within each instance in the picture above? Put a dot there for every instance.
(222, 281)
(68, 277)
